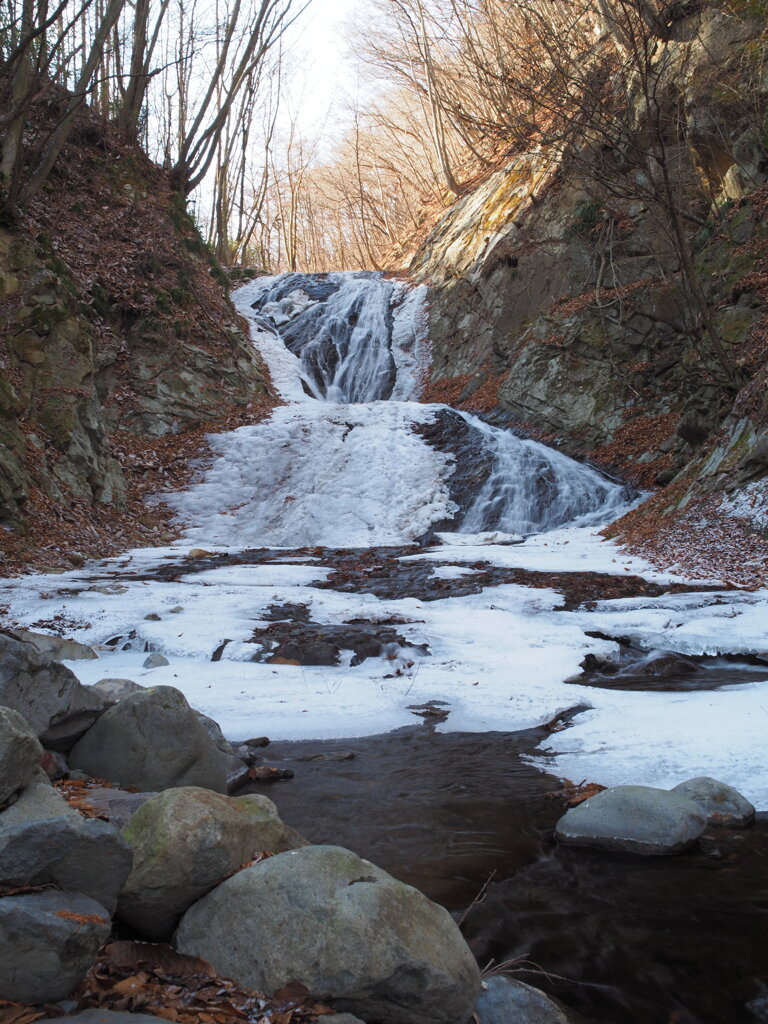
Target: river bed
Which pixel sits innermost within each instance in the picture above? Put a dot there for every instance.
(360, 562)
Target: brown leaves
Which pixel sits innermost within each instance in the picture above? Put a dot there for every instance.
(22, 1013)
(82, 918)
(154, 978)
(74, 792)
(574, 793)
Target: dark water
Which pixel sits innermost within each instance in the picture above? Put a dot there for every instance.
(632, 940)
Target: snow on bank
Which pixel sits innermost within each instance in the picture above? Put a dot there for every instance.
(320, 473)
(499, 659)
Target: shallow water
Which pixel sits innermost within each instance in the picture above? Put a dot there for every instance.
(634, 940)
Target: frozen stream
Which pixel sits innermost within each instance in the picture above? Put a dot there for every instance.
(353, 460)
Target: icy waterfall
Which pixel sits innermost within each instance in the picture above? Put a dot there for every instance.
(346, 462)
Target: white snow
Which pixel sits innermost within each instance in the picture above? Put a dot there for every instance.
(348, 475)
(320, 474)
(751, 503)
(499, 659)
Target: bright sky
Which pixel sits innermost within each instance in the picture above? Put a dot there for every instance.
(326, 72)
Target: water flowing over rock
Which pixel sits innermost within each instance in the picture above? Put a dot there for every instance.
(354, 459)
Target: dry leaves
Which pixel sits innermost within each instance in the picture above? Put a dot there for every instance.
(22, 1013)
(75, 793)
(574, 793)
(146, 977)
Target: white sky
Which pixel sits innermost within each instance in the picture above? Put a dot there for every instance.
(326, 72)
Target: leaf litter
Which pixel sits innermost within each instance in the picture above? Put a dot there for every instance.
(146, 977)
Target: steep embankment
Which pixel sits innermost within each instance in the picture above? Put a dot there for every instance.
(118, 349)
(560, 302)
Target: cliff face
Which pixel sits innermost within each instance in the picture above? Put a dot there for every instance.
(561, 307)
(117, 346)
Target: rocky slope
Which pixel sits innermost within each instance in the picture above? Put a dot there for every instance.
(559, 305)
(118, 348)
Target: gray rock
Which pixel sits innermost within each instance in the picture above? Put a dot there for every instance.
(117, 804)
(155, 661)
(20, 752)
(153, 740)
(114, 690)
(54, 764)
(341, 1018)
(56, 647)
(48, 942)
(722, 804)
(185, 841)
(357, 938)
(635, 819)
(37, 800)
(44, 840)
(214, 731)
(504, 1001)
(110, 1017)
(48, 695)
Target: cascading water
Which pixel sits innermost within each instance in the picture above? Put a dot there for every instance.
(353, 459)
(531, 488)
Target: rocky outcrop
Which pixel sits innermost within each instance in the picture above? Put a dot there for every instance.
(115, 333)
(186, 841)
(47, 695)
(633, 819)
(349, 932)
(152, 739)
(558, 305)
(48, 941)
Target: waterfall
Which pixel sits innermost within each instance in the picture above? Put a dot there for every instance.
(341, 328)
(353, 459)
(531, 488)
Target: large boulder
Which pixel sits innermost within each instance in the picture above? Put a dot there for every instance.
(357, 938)
(57, 648)
(153, 740)
(722, 804)
(221, 742)
(43, 840)
(48, 942)
(113, 690)
(506, 1000)
(20, 752)
(185, 841)
(635, 819)
(119, 805)
(37, 800)
(48, 695)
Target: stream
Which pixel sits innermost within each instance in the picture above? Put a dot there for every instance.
(419, 609)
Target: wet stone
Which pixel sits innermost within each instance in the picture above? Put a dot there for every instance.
(506, 1000)
(155, 661)
(722, 804)
(633, 819)
(309, 643)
